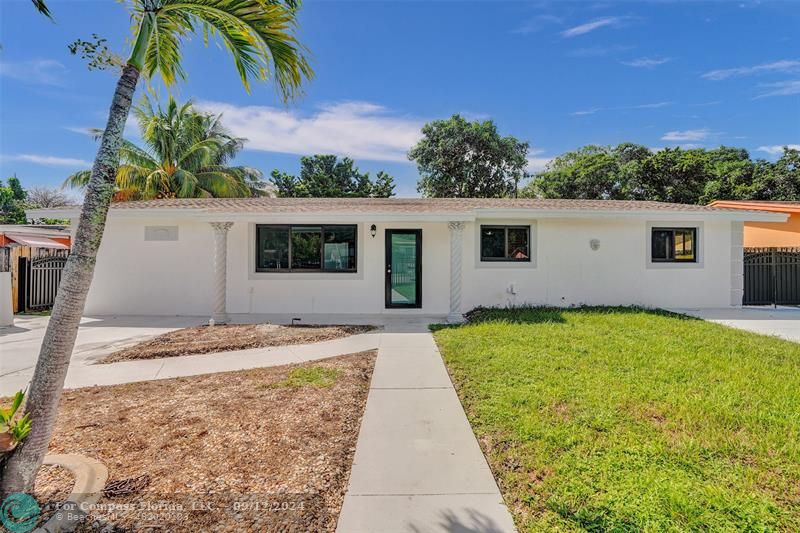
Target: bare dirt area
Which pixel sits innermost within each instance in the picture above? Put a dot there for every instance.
(256, 450)
(229, 337)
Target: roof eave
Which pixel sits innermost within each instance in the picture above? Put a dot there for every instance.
(442, 216)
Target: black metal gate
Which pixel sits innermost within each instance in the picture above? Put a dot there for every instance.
(42, 278)
(771, 276)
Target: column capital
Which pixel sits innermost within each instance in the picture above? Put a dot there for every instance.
(456, 226)
(221, 226)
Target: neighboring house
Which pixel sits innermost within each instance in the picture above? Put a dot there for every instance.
(35, 236)
(769, 234)
(412, 256)
(28, 242)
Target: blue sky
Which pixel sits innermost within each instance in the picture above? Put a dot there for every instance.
(558, 74)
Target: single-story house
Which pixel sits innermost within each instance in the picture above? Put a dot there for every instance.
(212, 257)
(768, 234)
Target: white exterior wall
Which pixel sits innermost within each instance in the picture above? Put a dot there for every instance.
(138, 276)
(565, 270)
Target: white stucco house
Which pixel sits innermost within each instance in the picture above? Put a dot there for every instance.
(212, 257)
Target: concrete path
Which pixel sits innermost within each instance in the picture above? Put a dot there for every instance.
(100, 336)
(781, 322)
(418, 466)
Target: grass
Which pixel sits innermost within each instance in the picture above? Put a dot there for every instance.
(631, 420)
(314, 376)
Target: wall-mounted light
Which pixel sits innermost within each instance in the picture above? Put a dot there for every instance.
(373, 230)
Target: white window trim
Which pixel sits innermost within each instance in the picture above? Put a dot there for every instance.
(532, 245)
(662, 265)
(252, 275)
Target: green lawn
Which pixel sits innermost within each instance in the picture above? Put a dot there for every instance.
(627, 420)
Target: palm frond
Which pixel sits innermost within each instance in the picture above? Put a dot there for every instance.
(78, 180)
(41, 7)
(258, 34)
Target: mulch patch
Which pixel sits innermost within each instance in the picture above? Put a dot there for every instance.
(221, 452)
(229, 337)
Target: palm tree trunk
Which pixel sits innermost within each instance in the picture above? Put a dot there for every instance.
(44, 395)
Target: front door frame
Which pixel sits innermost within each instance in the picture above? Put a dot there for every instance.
(388, 269)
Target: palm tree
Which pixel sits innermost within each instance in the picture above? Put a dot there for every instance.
(186, 155)
(260, 36)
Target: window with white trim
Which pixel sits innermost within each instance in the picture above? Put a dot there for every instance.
(306, 248)
(674, 245)
(505, 243)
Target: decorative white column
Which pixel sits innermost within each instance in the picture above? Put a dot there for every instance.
(456, 244)
(220, 315)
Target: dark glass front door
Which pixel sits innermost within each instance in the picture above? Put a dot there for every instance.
(404, 268)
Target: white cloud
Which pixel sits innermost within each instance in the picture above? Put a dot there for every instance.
(777, 149)
(599, 51)
(654, 105)
(590, 26)
(37, 71)
(785, 65)
(537, 164)
(586, 112)
(646, 62)
(781, 88)
(356, 129)
(592, 111)
(536, 24)
(48, 160)
(686, 135)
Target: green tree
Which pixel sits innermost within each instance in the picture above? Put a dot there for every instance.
(590, 172)
(697, 176)
(779, 181)
(185, 155)
(458, 158)
(324, 176)
(12, 202)
(259, 34)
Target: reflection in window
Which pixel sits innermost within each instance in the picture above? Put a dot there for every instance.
(505, 243)
(305, 248)
(674, 245)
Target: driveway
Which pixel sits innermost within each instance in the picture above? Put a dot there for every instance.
(782, 322)
(96, 338)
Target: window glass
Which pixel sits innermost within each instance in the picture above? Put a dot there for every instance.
(661, 244)
(493, 243)
(674, 245)
(273, 248)
(518, 244)
(684, 245)
(306, 246)
(505, 243)
(339, 250)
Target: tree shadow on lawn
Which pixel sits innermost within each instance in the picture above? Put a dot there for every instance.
(549, 315)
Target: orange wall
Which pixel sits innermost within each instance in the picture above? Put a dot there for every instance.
(768, 234)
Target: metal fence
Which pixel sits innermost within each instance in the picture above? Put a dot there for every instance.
(771, 276)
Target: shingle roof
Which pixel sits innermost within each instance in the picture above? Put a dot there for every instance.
(400, 205)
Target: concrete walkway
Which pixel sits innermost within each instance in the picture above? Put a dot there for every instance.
(781, 321)
(100, 336)
(418, 466)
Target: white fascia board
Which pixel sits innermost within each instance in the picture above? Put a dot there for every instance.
(733, 215)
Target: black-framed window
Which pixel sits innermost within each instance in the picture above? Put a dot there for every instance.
(306, 248)
(674, 245)
(505, 243)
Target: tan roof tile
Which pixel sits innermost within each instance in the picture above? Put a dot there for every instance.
(400, 205)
